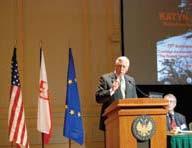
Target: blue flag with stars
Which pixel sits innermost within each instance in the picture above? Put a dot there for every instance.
(73, 127)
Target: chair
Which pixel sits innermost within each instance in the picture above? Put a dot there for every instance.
(190, 126)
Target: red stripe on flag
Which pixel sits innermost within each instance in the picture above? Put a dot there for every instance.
(12, 115)
(18, 123)
(23, 133)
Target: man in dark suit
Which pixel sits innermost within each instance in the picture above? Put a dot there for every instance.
(175, 120)
(115, 85)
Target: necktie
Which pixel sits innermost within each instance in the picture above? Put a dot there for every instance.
(122, 86)
(172, 122)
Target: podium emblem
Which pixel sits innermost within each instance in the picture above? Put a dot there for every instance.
(143, 128)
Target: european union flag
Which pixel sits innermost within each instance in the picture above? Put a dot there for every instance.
(73, 127)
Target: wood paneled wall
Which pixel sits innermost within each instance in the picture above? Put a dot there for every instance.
(90, 27)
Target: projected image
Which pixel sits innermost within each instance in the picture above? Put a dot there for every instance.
(160, 51)
(174, 59)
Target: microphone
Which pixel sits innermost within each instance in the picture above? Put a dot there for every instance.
(138, 89)
(118, 79)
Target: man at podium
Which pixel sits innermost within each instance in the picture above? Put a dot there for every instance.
(115, 85)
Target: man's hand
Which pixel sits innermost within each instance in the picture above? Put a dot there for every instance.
(115, 85)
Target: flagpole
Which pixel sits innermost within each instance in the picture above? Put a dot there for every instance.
(69, 143)
(67, 78)
(42, 139)
(15, 45)
(69, 46)
(42, 134)
(41, 43)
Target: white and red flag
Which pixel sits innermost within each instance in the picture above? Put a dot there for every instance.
(16, 115)
(44, 123)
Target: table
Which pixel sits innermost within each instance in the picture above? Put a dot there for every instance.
(182, 140)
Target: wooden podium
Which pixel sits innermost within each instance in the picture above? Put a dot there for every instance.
(121, 114)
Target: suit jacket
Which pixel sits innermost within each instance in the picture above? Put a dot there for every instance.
(180, 121)
(103, 93)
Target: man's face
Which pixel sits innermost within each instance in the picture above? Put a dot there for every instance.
(171, 103)
(121, 67)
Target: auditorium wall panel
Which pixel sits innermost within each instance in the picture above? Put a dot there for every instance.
(90, 27)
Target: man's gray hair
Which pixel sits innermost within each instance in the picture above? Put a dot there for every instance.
(122, 58)
(170, 96)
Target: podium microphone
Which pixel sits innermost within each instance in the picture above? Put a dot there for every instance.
(138, 89)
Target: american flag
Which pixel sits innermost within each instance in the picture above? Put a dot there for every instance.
(16, 116)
